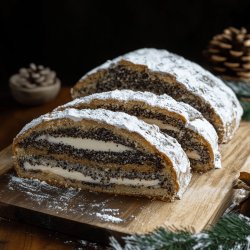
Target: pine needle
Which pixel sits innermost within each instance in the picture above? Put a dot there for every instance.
(230, 232)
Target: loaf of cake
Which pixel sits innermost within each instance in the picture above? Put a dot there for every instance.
(104, 151)
(195, 134)
(160, 71)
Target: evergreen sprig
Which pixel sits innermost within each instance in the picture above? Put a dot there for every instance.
(246, 108)
(230, 232)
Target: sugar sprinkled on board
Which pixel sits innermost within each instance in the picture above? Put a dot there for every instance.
(42, 192)
(108, 218)
(62, 200)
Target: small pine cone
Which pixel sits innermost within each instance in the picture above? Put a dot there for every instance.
(243, 182)
(228, 54)
(34, 76)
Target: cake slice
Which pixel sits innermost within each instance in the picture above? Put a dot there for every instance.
(160, 71)
(195, 134)
(103, 151)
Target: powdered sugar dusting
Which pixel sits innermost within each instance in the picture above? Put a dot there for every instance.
(109, 218)
(195, 79)
(65, 201)
(41, 192)
(110, 215)
(161, 101)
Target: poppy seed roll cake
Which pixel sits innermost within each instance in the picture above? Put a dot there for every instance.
(162, 72)
(103, 151)
(195, 134)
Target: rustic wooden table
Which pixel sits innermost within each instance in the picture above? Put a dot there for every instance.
(15, 235)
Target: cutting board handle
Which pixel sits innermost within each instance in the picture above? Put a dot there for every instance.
(6, 162)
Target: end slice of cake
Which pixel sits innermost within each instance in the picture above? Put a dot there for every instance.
(162, 72)
(102, 151)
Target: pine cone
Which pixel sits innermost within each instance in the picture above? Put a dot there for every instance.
(34, 76)
(229, 54)
(34, 85)
(243, 182)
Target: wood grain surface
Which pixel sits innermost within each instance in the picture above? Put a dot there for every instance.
(6, 161)
(205, 200)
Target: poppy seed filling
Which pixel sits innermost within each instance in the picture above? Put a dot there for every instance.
(126, 157)
(52, 162)
(119, 76)
(102, 175)
(186, 139)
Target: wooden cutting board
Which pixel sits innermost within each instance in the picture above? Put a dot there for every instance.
(93, 214)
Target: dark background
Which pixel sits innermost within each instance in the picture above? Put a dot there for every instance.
(73, 36)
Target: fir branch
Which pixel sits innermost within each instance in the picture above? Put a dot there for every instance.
(246, 107)
(230, 232)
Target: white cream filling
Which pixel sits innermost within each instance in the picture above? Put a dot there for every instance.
(193, 154)
(160, 124)
(84, 143)
(74, 175)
